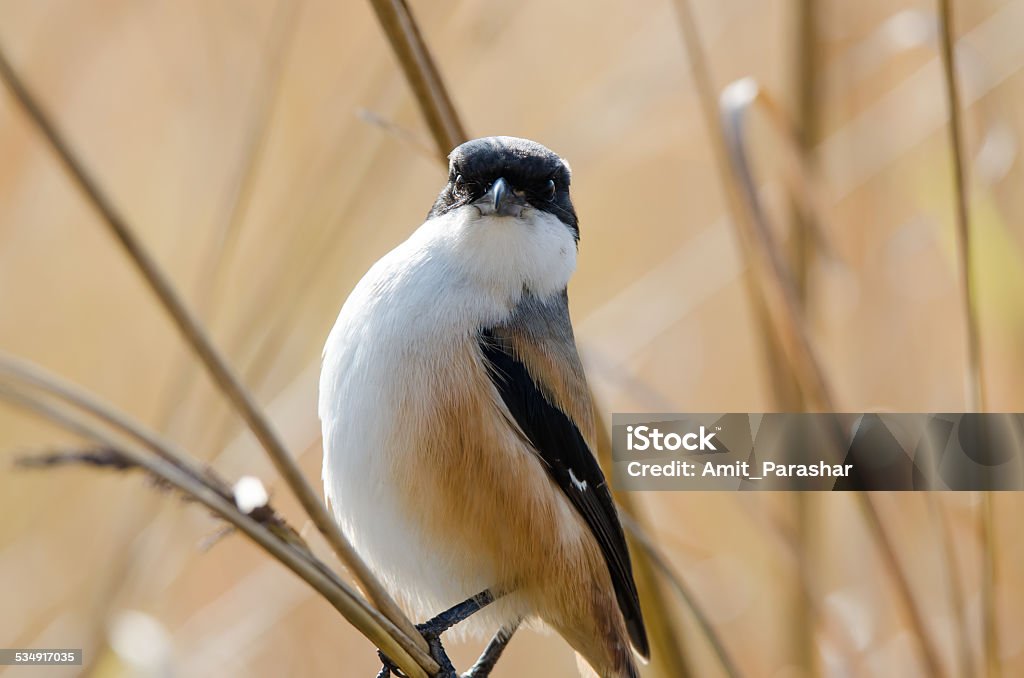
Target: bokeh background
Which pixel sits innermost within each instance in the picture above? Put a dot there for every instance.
(269, 152)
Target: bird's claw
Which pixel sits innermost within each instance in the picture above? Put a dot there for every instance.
(431, 631)
(437, 653)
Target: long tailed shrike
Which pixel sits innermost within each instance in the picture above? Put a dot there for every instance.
(458, 427)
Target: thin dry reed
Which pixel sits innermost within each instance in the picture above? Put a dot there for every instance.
(175, 469)
(975, 372)
(218, 368)
(210, 278)
(782, 383)
(774, 277)
(678, 584)
(770, 276)
(421, 73)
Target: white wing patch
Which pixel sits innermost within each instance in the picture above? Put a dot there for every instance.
(581, 486)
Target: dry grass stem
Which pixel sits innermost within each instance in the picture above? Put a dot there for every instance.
(767, 262)
(218, 368)
(975, 383)
(956, 590)
(421, 73)
(926, 647)
(990, 627)
(775, 281)
(369, 621)
(975, 373)
(783, 385)
(639, 535)
(806, 96)
(210, 278)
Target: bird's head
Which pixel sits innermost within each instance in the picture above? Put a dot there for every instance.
(507, 177)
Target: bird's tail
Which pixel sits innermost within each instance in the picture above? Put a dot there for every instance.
(626, 668)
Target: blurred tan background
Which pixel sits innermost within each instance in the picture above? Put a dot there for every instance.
(243, 139)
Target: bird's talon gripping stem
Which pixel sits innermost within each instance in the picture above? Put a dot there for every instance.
(431, 631)
(437, 653)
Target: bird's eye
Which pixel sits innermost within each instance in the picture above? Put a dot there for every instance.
(549, 190)
(458, 182)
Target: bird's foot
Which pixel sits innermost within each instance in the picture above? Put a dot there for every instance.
(431, 631)
(437, 653)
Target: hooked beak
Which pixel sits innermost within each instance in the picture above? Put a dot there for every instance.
(501, 200)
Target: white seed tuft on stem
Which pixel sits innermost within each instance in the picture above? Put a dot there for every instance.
(250, 494)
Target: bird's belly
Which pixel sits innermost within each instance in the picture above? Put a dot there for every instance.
(405, 481)
(366, 495)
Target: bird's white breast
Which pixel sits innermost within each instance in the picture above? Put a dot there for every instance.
(389, 357)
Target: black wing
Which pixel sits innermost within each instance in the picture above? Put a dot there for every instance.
(572, 466)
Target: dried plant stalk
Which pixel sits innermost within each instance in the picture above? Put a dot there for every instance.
(766, 258)
(659, 560)
(775, 280)
(975, 383)
(215, 364)
(986, 520)
(210, 278)
(806, 60)
(371, 623)
(975, 374)
(955, 588)
(421, 73)
(782, 384)
(16, 369)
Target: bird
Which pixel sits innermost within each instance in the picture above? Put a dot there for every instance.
(459, 429)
